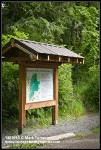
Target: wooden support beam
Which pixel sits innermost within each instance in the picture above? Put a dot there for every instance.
(26, 51)
(37, 56)
(68, 59)
(22, 98)
(40, 104)
(41, 64)
(31, 57)
(12, 42)
(13, 59)
(40, 61)
(83, 61)
(59, 58)
(48, 57)
(55, 108)
(6, 49)
(77, 60)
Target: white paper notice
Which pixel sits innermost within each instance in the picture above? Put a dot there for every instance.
(39, 84)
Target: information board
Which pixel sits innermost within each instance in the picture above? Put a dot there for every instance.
(39, 84)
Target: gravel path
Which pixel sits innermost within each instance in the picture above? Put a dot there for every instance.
(81, 125)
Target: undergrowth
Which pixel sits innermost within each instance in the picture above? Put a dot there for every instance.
(30, 145)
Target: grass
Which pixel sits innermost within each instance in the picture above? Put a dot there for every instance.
(95, 130)
(39, 122)
(30, 145)
(80, 135)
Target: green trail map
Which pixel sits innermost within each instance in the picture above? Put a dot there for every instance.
(34, 85)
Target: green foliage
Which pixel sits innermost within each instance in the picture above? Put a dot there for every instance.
(37, 113)
(77, 108)
(32, 145)
(15, 34)
(81, 135)
(9, 90)
(95, 130)
(74, 25)
(38, 117)
(65, 88)
(92, 87)
(69, 102)
(87, 89)
(5, 39)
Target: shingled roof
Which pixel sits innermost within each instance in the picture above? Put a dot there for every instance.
(39, 51)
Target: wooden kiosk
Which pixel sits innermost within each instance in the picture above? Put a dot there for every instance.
(38, 74)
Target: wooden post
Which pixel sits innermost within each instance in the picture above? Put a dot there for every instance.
(22, 98)
(55, 108)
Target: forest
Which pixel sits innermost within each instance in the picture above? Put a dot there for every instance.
(74, 25)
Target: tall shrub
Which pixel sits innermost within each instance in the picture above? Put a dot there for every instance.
(65, 88)
(9, 90)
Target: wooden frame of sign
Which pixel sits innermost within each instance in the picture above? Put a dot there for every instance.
(23, 106)
(49, 57)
